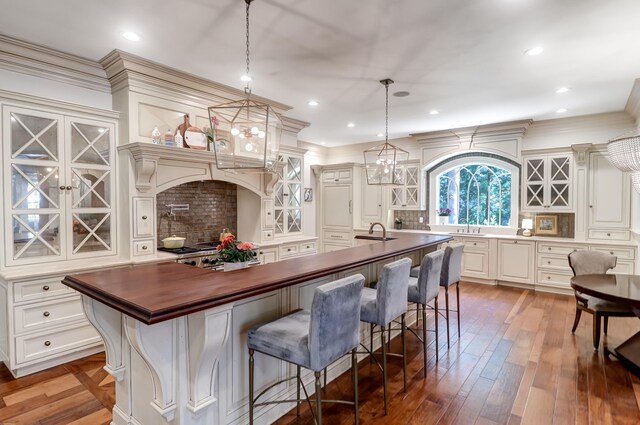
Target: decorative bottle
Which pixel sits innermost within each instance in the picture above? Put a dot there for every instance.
(156, 136)
(168, 138)
(178, 139)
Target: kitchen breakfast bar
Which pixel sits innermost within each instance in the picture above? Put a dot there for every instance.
(175, 335)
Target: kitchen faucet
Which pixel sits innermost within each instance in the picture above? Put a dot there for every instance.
(384, 230)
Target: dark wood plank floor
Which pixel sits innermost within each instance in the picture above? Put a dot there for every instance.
(516, 362)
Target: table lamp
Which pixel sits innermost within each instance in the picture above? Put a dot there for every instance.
(527, 225)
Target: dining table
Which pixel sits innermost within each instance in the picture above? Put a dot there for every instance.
(619, 288)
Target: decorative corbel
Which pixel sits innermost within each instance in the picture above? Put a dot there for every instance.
(145, 169)
(581, 151)
(272, 177)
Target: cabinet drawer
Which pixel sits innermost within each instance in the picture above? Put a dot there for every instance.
(559, 262)
(475, 244)
(49, 344)
(612, 235)
(549, 248)
(626, 253)
(267, 213)
(143, 213)
(623, 267)
(307, 247)
(143, 247)
(39, 289)
(558, 278)
(267, 235)
(336, 235)
(47, 314)
(288, 250)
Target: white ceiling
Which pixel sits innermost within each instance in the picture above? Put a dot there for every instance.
(461, 57)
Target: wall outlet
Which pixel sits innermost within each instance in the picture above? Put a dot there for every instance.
(421, 219)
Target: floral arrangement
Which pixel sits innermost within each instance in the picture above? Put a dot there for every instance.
(444, 212)
(398, 220)
(232, 251)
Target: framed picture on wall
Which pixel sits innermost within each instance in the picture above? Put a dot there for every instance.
(308, 194)
(546, 225)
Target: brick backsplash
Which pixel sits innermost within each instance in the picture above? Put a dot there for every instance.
(212, 207)
(411, 220)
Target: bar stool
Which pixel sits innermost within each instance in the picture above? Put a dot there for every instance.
(312, 339)
(451, 273)
(422, 290)
(380, 306)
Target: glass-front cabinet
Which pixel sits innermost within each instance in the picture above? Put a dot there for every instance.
(406, 195)
(59, 174)
(547, 183)
(288, 197)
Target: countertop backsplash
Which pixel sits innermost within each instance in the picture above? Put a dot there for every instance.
(212, 207)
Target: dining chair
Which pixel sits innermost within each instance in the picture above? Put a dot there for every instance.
(595, 262)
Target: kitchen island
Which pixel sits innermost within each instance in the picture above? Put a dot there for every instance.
(175, 335)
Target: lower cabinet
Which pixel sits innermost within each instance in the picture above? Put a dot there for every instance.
(43, 325)
(285, 250)
(515, 261)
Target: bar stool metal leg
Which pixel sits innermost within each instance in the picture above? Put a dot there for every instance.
(458, 306)
(318, 399)
(435, 303)
(251, 365)
(446, 302)
(424, 337)
(325, 378)
(298, 392)
(354, 374)
(384, 370)
(371, 342)
(404, 353)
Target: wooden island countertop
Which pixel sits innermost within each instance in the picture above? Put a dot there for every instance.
(158, 292)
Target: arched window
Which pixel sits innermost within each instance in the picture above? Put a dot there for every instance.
(475, 190)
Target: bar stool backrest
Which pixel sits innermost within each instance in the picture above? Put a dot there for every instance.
(334, 327)
(392, 288)
(591, 262)
(452, 264)
(429, 277)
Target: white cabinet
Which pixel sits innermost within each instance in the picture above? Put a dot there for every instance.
(547, 183)
(59, 178)
(338, 175)
(373, 205)
(552, 265)
(44, 325)
(516, 261)
(407, 196)
(287, 202)
(268, 255)
(609, 200)
(476, 258)
(337, 207)
(143, 217)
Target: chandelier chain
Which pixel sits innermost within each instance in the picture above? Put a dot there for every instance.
(386, 113)
(247, 51)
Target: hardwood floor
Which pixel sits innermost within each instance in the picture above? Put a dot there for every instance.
(516, 362)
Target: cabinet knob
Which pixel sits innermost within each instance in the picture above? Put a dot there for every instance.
(261, 253)
(144, 217)
(45, 314)
(611, 252)
(310, 247)
(45, 288)
(548, 262)
(549, 248)
(590, 206)
(144, 247)
(268, 213)
(61, 187)
(268, 235)
(47, 343)
(288, 249)
(515, 242)
(68, 188)
(548, 277)
(475, 243)
(336, 180)
(608, 234)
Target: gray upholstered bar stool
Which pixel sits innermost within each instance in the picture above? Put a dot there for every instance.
(594, 262)
(382, 305)
(424, 289)
(451, 273)
(312, 339)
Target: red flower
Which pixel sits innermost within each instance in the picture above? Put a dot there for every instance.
(245, 246)
(228, 240)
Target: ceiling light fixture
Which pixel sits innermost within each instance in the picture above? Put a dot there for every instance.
(383, 162)
(351, 125)
(561, 110)
(434, 112)
(131, 36)
(380, 134)
(624, 154)
(313, 103)
(323, 143)
(534, 51)
(562, 90)
(246, 134)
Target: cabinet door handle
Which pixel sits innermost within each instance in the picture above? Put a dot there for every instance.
(350, 207)
(144, 217)
(47, 343)
(45, 288)
(45, 314)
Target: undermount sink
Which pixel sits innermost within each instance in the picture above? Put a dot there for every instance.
(373, 238)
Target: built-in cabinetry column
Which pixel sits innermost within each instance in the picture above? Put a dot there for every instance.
(580, 174)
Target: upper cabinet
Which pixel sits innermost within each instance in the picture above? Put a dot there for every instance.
(59, 175)
(609, 200)
(287, 202)
(407, 195)
(373, 202)
(547, 183)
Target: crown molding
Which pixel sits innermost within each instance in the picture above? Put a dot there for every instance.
(58, 105)
(293, 125)
(127, 70)
(44, 62)
(502, 130)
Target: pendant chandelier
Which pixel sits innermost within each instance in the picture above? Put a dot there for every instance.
(384, 163)
(624, 154)
(246, 133)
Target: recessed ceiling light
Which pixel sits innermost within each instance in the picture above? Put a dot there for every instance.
(534, 51)
(561, 110)
(351, 125)
(380, 135)
(434, 112)
(245, 78)
(401, 94)
(323, 143)
(562, 90)
(313, 103)
(131, 36)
